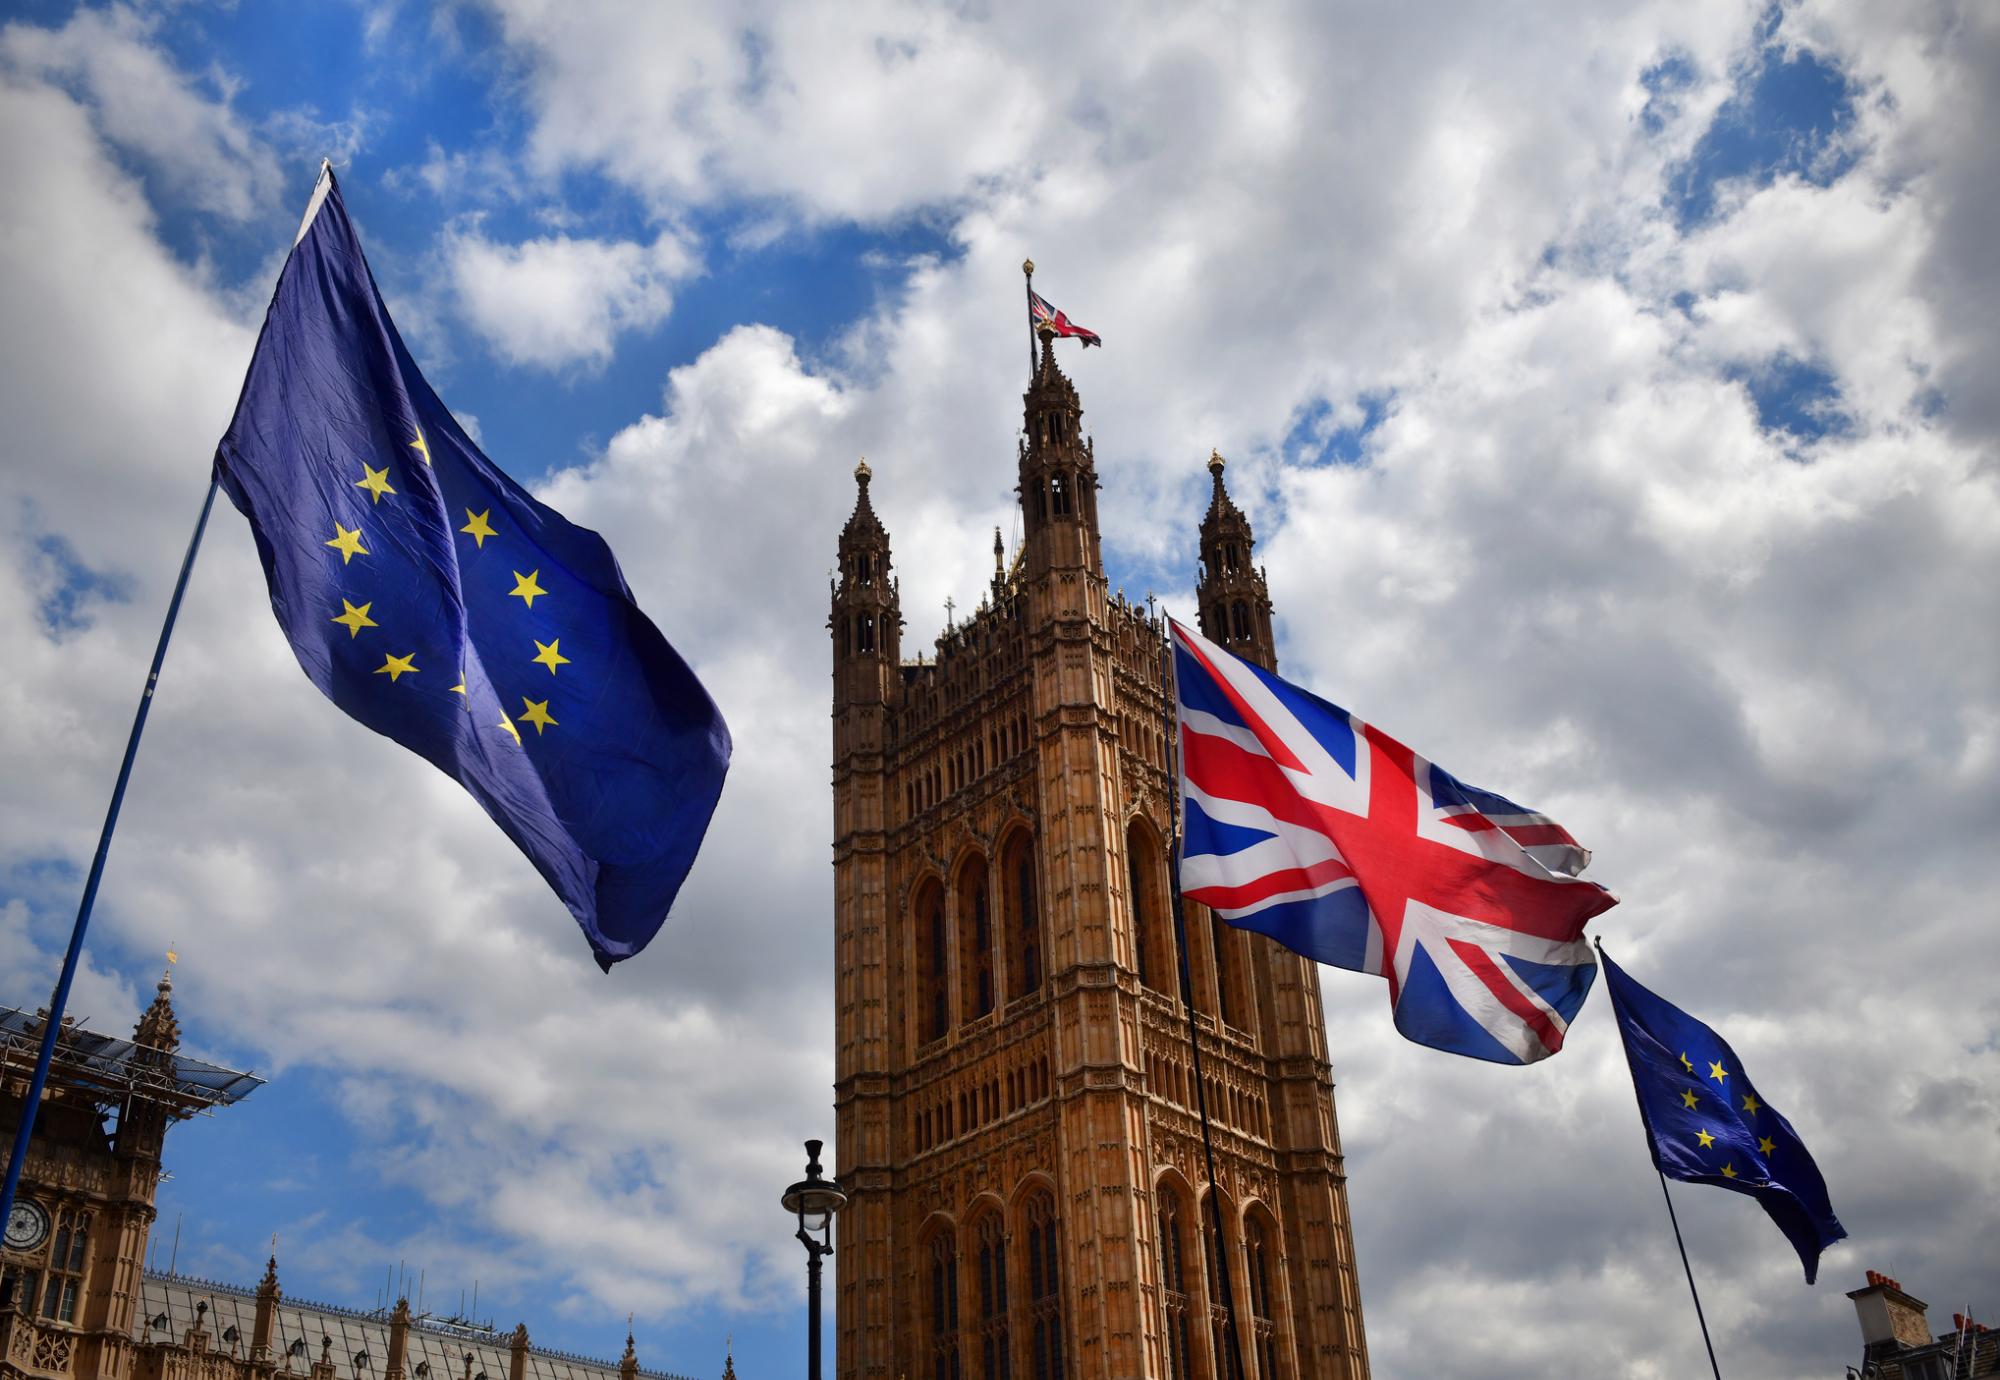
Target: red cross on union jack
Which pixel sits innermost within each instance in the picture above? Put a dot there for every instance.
(1306, 824)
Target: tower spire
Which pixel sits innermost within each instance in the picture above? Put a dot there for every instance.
(158, 1028)
(1231, 594)
(1058, 474)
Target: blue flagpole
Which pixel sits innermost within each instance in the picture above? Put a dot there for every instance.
(61, 998)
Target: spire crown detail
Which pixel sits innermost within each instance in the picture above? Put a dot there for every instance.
(158, 1028)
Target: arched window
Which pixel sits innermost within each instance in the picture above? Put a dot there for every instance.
(943, 1310)
(1239, 620)
(1258, 1251)
(932, 947)
(864, 633)
(1219, 1321)
(1174, 1277)
(1045, 1286)
(990, 1242)
(1146, 895)
(1024, 916)
(975, 930)
(1059, 492)
(66, 1261)
(1222, 938)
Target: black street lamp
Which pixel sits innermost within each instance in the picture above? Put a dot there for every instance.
(815, 1200)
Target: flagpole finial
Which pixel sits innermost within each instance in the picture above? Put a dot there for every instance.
(1028, 267)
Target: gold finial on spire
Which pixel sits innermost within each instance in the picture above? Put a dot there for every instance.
(862, 473)
(1215, 463)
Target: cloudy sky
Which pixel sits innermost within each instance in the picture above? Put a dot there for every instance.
(1611, 387)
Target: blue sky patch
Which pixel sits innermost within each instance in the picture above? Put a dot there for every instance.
(1321, 434)
(1794, 396)
(67, 589)
(1786, 118)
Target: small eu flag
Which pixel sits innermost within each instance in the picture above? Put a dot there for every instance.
(432, 598)
(1706, 1123)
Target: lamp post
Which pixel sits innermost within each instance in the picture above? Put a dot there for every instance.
(815, 1199)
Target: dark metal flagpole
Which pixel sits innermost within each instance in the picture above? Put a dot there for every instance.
(1221, 1254)
(61, 998)
(1028, 271)
(1715, 1369)
(1687, 1269)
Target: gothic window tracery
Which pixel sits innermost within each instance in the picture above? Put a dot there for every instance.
(1224, 944)
(1219, 1321)
(943, 1311)
(1179, 1340)
(1263, 1312)
(932, 977)
(991, 1247)
(67, 1256)
(1024, 917)
(1045, 1286)
(975, 927)
(1152, 942)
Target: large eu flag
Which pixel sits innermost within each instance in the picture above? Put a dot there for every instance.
(1707, 1124)
(432, 598)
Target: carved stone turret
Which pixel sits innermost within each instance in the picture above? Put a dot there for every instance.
(1234, 601)
(268, 1295)
(1058, 474)
(866, 620)
(158, 1028)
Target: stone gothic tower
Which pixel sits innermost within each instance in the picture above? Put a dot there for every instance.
(1015, 1104)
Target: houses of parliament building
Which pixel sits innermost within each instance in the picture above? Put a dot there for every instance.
(1016, 1097)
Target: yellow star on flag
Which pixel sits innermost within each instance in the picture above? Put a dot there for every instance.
(1717, 1072)
(458, 689)
(1729, 1171)
(394, 667)
(508, 724)
(1689, 1098)
(536, 713)
(549, 655)
(1687, 1063)
(355, 619)
(347, 543)
(421, 446)
(1705, 1138)
(525, 586)
(1751, 1104)
(478, 528)
(375, 481)
(1765, 1145)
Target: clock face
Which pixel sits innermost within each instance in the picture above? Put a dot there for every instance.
(27, 1225)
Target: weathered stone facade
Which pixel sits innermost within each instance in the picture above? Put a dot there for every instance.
(1016, 1105)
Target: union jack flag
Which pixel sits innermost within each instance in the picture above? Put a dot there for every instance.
(1303, 823)
(1040, 309)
